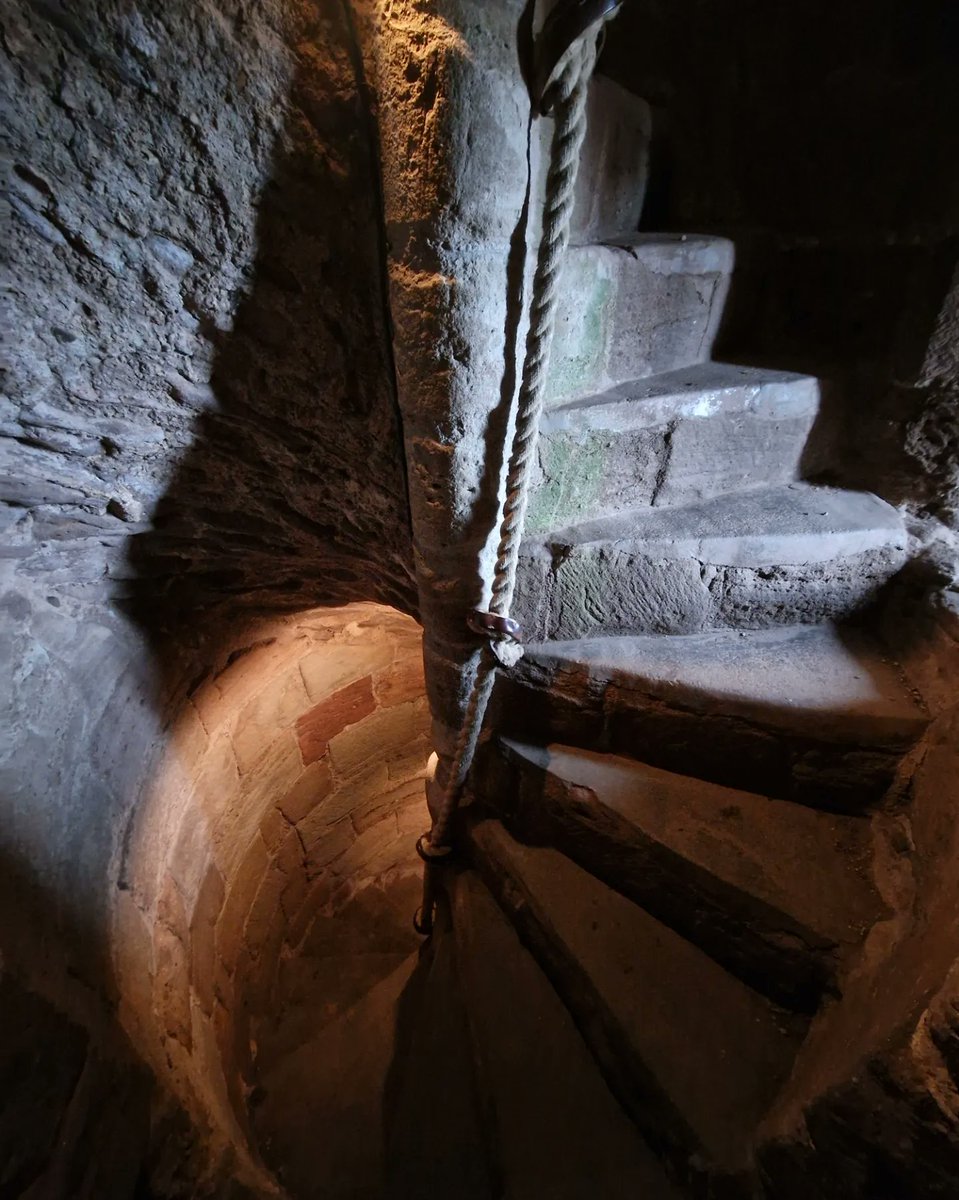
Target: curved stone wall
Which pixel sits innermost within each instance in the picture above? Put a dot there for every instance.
(199, 431)
(292, 779)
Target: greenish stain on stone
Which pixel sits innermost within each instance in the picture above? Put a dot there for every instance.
(572, 485)
(578, 358)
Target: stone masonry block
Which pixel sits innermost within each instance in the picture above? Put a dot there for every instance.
(202, 937)
(171, 986)
(264, 907)
(329, 845)
(256, 794)
(614, 163)
(645, 305)
(381, 736)
(309, 790)
(375, 808)
(400, 682)
(269, 712)
(360, 789)
(242, 889)
(333, 666)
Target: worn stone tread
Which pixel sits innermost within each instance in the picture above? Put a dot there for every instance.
(334, 1081)
(553, 1127)
(694, 1055)
(700, 390)
(828, 680)
(794, 523)
(676, 438)
(793, 553)
(774, 890)
(817, 714)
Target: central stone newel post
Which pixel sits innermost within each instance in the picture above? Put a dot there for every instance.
(453, 121)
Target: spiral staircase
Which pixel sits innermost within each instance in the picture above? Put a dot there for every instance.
(671, 835)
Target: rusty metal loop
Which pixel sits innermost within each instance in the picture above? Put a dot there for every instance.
(429, 853)
(493, 626)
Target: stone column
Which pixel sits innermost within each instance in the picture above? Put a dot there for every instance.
(453, 122)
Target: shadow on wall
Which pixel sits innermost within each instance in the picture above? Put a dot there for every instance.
(75, 1121)
(284, 785)
(292, 490)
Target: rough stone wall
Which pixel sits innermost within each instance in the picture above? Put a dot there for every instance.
(820, 138)
(198, 427)
(200, 384)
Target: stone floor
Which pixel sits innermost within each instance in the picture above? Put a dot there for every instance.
(327, 1060)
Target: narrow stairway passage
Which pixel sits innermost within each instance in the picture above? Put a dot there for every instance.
(397, 1069)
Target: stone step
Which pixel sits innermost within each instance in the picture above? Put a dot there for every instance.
(613, 164)
(778, 893)
(671, 439)
(636, 306)
(355, 1111)
(775, 556)
(434, 1133)
(694, 1055)
(815, 714)
(552, 1126)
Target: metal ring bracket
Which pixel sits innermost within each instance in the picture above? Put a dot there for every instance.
(492, 626)
(569, 20)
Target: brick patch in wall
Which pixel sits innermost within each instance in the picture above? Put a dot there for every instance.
(331, 716)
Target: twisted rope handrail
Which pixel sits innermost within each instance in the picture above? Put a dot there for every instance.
(567, 98)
